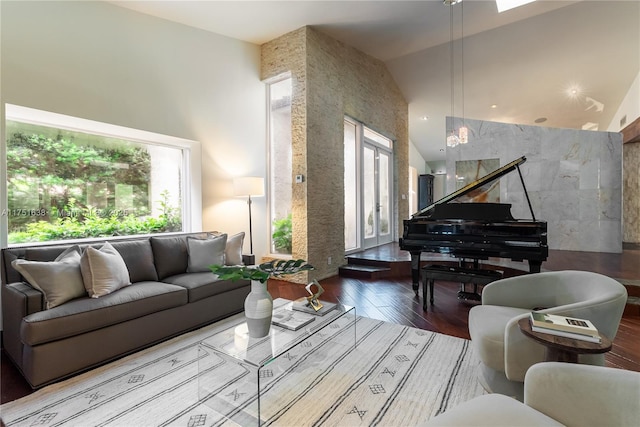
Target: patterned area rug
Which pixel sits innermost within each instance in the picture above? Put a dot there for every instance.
(395, 376)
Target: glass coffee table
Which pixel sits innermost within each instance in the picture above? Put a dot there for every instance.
(244, 380)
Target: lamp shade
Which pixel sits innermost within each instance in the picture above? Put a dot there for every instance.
(248, 186)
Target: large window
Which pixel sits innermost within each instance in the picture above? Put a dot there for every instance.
(280, 165)
(351, 185)
(71, 183)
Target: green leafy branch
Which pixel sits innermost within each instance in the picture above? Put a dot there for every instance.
(262, 272)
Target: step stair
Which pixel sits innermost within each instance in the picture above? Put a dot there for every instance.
(360, 271)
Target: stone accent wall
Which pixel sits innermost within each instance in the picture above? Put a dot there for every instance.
(631, 192)
(331, 80)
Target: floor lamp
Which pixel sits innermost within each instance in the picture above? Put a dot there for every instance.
(249, 186)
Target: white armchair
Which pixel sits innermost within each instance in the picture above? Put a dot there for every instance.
(556, 394)
(506, 354)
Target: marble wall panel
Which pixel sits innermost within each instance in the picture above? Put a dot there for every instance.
(573, 179)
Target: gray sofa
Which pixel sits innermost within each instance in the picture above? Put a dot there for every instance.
(162, 301)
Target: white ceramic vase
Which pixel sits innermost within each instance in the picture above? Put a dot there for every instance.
(258, 310)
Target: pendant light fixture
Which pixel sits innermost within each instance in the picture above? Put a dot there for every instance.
(462, 136)
(463, 132)
(452, 139)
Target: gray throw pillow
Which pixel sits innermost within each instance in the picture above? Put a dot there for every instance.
(233, 249)
(59, 280)
(103, 270)
(205, 252)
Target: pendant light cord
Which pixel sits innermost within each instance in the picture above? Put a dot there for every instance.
(451, 63)
(462, 55)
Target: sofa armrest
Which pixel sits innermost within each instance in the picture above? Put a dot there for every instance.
(21, 299)
(520, 351)
(248, 259)
(18, 301)
(584, 395)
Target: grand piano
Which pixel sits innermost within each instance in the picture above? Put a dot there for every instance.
(472, 231)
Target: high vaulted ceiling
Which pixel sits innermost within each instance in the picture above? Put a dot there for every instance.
(562, 64)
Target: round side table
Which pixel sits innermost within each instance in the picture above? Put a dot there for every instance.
(561, 349)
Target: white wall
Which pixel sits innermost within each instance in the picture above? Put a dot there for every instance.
(417, 161)
(629, 107)
(101, 62)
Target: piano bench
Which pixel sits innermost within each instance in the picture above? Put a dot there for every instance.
(431, 272)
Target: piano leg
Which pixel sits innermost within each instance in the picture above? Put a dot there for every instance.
(415, 271)
(534, 266)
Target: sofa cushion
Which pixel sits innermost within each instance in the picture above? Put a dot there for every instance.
(170, 253)
(59, 280)
(88, 314)
(205, 252)
(233, 249)
(138, 256)
(204, 285)
(38, 253)
(103, 270)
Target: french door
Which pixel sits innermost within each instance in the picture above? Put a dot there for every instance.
(376, 194)
(368, 160)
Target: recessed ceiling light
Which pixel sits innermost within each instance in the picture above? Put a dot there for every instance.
(540, 120)
(424, 118)
(574, 91)
(494, 106)
(504, 5)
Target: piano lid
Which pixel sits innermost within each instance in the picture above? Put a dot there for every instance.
(486, 180)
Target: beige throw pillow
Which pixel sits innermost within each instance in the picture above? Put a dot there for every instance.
(205, 252)
(233, 249)
(103, 270)
(59, 280)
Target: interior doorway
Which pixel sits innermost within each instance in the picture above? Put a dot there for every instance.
(376, 191)
(368, 187)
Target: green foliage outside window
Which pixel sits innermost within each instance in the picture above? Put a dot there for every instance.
(282, 234)
(51, 183)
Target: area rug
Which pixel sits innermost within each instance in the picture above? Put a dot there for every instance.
(395, 376)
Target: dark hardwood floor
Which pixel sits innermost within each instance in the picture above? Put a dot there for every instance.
(393, 300)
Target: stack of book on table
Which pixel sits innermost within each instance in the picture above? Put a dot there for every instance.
(289, 319)
(568, 327)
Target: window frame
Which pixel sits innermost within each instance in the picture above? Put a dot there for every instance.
(271, 199)
(191, 150)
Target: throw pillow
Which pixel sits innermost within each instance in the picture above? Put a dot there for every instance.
(59, 280)
(233, 249)
(205, 252)
(103, 270)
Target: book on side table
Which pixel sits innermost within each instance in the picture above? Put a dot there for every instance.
(568, 327)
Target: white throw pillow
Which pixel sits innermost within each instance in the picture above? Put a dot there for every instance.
(59, 280)
(233, 249)
(205, 252)
(103, 270)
